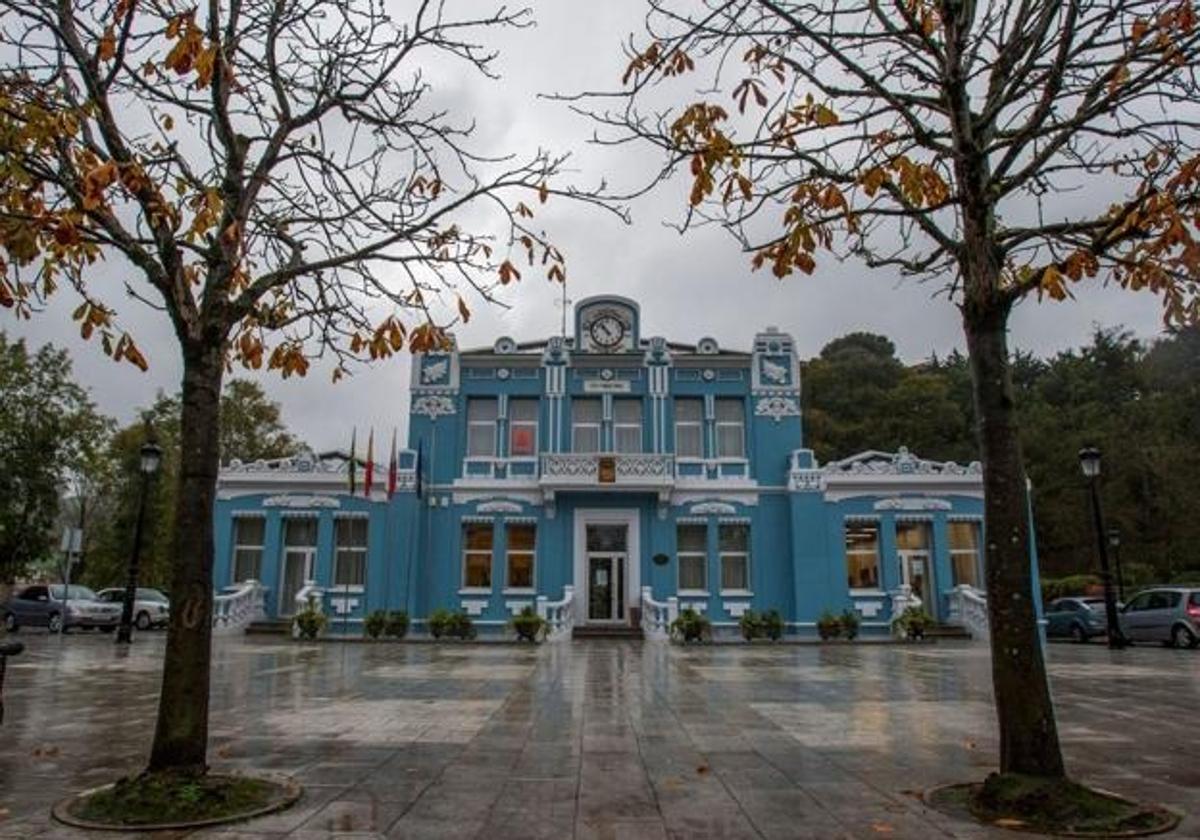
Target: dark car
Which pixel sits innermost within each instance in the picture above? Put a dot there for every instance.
(1075, 618)
(58, 607)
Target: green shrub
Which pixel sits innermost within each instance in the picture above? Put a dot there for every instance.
(374, 623)
(691, 626)
(913, 622)
(452, 625)
(310, 621)
(751, 624)
(1188, 577)
(829, 626)
(1071, 585)
(528, 625)
(396, 624)
(773, 625)
(849, 622)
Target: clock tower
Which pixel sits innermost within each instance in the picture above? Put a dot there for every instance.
(606, 324)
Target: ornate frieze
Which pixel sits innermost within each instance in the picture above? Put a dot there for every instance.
(900, 503)
(713, 509)
(901, 462)
(807, 480)
(777, 407)
(433, 406)
(296, 501)
(498, 506)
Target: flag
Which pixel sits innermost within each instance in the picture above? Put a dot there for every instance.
(419, 477)
(353, 458)
(392, 466)
(369, 476)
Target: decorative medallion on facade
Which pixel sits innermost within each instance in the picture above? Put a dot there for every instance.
(777, 407)
(433, 406)
(913, 504)
(901, 462)
(287, 501)
(498, 506)
(713, 509)
(807, 481)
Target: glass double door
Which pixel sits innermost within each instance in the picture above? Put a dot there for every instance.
(296, 562)
(607, 571)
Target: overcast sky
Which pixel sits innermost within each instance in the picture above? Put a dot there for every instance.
(688, 287)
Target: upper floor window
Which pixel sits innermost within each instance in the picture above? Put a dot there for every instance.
(585, 425)
(964, 552)
(350, 558)
(689, 428)
(627, 425)
(248, 535)
(477, 555)
(522, 427)
(862, 555)
(731, 428)
(522, 539)
(733, 542)
(691, 549)
(481, 427)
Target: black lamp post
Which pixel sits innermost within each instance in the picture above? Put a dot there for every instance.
(151, 456)
(1114, 539)
(1089, 462)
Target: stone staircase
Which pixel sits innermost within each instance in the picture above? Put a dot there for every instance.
(269, 627)
(618, 632)
(950, 632)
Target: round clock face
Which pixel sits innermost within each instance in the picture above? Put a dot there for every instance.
(607, 331)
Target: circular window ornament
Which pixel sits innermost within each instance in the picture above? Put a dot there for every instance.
(504, 345)
(707, 346)
(709, 374)
(503, 373)
(606, 374)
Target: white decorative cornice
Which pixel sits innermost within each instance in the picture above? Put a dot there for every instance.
(900, 503)
(288, 501)
(901, 462)
(433, 406)
(777, 406)
(713, 509)
(498, 506)
(807, 480)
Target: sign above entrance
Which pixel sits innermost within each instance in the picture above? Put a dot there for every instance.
(601, 386)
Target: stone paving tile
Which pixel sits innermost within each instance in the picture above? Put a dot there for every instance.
(591, 741)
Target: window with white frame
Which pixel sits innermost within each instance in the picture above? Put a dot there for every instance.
(585, 425)
(731, 428)
(862, 555)
(689, 428)
(627, 425)
(733, 544)
(964, 553)
(477, 555)
(522, 428)
(248, 537)
(481, 427)
(691, 549)
(350, 551)
(522, 541)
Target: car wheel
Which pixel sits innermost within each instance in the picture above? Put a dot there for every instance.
(10, 623)
(1079, 634)
(143, 621)
(55, 623)
(1181, 637)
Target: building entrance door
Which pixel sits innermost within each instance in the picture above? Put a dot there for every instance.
(296, 564)
(915, 571)
(607, 547)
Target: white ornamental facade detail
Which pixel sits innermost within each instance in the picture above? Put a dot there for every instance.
(777, 407)
(433, 406)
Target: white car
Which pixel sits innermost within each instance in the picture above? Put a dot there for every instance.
(151, 608)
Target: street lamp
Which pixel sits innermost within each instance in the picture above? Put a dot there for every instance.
(1114, 539)
(151, 457)
(1089, 462)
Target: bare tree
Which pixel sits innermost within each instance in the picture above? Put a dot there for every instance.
(282, 180)
(1004, 149)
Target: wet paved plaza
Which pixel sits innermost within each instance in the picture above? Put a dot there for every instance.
(594, 739)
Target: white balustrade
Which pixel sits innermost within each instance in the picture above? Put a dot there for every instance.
(969, 609)
(583, 468)
(238, 605)
(310, 592)
(559, 615)
(657, 616)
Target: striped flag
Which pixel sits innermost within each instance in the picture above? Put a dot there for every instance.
(369, 476)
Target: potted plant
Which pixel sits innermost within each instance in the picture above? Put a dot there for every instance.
(751, 625)
(772, 625)
(850, 622)
(528, 625)
(310, 621)
(690, 626)
(461, 626)
(439, 622)
(396, 624)
(829, 626)
(913, 622)
(374, 624)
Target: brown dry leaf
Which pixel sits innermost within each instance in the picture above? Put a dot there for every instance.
(882, 827)
(4, 812)
(1008, 822)
(969, 744)
(702, 769)
(224, 752)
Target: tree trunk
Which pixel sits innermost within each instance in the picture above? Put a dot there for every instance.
(1028, 733)
(181, 735)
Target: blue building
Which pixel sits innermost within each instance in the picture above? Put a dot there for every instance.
(609, 479)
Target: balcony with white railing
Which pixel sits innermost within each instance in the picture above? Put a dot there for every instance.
(559, 615)
(619, 470)
(238, 605)
(658, 615)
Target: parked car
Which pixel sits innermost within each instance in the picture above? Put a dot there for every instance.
(58, 607)
(1076, 618)
(151, 608)
(1170, 615)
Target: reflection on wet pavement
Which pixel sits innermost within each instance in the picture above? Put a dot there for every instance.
(592, 739)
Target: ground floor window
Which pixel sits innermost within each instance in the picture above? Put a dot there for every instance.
(522, 539)
(350, 552)
(862, 555)
(692, 553)
(964, 553)
(733, 543)
(248, 538)
(477, 555)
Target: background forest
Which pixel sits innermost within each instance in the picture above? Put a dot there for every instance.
(63, 463)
